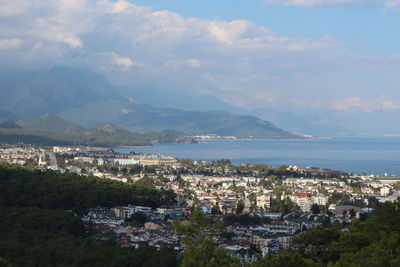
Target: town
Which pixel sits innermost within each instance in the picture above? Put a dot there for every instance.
(263, 209)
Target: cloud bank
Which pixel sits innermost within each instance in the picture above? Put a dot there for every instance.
(388, 4)
(238, 61)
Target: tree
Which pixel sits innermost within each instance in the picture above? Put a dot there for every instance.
(339, 198)
(146, 181)
(137, 219)
(240, 207)
(315, 208)
(36, 229)
(215, 209)
(285, 259)
(201, 249)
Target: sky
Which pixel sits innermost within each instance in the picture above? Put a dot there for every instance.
(289, 55)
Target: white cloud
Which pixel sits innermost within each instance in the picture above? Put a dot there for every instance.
(13, 8)
(392, 4)
(10, 44)
(236, 60)
(121, 6)
(124, 61)
(356, 103)
(72, 41)
(388, 4)
(317, 3)
(182, 63)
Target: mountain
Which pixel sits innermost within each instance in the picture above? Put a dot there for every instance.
(7, 124)
(9, 115)
(320, 124)
(168, 98)
(312, 124)
(51, 129)
(142, 117)
(371, 122)
(101, 136)
(36, 93)
(86, 98)
(52, 123)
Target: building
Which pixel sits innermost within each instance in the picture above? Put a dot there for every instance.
(124, 212)
(305, 201)
(127, 211)
(126, 161)
(389, 179)
(321, 200)
(263, 201)
(150, 161)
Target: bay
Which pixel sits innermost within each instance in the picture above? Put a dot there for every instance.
(371, 155)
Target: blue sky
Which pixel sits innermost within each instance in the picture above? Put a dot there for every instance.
(369, 27)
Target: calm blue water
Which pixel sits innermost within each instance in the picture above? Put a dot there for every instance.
(372, 155)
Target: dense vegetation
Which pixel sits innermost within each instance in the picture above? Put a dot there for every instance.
(245, 220)
(36, 228)
(93, 137)
(53, 130)
(201, 248)
(43, 237)
(23, 188)
(374, 242)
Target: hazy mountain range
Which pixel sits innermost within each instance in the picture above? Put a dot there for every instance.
(87, 99)
(320, 124)
(53, 130)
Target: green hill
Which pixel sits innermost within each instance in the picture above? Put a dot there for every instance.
(40, 225)
(141, 117)
(52, 130)
(52, 123)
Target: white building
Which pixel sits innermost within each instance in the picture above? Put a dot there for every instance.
(321, 200)
(304, 200)
(126, 161)
(385, 191)
(263, 201)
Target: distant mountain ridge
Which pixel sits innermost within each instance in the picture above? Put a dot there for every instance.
(55, 89)
(53, 130)
(49, 122)
(9, 115)
(81, 96)
(199, 122)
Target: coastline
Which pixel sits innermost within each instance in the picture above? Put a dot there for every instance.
(350, 154)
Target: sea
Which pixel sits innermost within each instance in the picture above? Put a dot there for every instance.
(369, 155)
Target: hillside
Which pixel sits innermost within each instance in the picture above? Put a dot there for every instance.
(86, 98)
(52, 130)
(9, 115)
(143, 117)
(36, 93)
(39, 229)
(39, 137)
(52, 123)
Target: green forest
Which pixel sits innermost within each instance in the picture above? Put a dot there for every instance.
(374, 243)
(40, 223)
(20, 187)
(93, 138)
